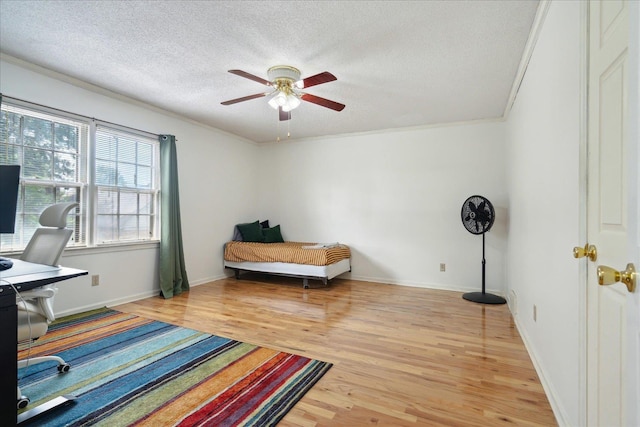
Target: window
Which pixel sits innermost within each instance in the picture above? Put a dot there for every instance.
(111, 172)
(125, 190)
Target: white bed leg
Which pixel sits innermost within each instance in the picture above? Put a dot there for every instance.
(305, 283)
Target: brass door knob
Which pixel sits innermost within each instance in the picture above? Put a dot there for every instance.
(589, 251)
(609, 276)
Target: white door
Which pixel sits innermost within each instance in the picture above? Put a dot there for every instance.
(612, 216)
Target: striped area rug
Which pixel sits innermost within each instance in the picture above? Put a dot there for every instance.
(127, 370)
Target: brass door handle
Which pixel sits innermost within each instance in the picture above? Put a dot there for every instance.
(589, 251)
(609, 276)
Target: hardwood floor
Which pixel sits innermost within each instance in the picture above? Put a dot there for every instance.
(402, 356)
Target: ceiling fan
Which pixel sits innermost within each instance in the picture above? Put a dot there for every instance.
(286, 84)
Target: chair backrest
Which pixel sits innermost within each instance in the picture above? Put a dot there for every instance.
(47, 244)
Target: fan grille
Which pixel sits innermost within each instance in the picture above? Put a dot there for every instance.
(477, 214)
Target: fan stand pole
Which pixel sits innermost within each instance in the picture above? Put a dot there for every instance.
(483, 297)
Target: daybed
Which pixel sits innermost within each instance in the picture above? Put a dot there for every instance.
(294, 259)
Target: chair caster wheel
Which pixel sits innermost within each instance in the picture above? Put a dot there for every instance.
(64, 368)
(23, 402)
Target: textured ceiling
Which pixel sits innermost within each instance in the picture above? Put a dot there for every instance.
(398, 63)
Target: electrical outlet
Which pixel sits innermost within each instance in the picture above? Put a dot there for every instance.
(95, 280)
(443, 266)
(535, 313)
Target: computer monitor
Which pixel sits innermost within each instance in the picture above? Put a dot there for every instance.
(9, 183)
(9, 186)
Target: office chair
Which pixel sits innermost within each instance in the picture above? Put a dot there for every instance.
(35, 307)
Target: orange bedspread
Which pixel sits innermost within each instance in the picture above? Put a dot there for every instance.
(290, 252)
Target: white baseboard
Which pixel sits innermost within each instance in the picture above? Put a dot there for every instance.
(209, 279)
(438, 286)
(560, 414)
(110, 303)
(129, 298)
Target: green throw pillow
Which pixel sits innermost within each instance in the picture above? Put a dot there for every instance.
(251, 232)
(272, 235)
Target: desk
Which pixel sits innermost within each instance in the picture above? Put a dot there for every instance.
(24, 276)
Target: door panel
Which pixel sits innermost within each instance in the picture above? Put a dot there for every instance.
(610, 12)
(612, 317)
(608, 195)
(611, 147)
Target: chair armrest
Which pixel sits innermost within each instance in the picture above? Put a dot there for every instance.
(37, 293)
(43, 297)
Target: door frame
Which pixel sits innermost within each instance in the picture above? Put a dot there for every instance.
(634, 176)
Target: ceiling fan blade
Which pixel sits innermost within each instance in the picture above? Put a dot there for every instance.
(244, 98)
(322, 101)
(284, 115)
(250, 77)
(323, 77)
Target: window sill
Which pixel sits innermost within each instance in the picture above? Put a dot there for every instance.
(105, 248)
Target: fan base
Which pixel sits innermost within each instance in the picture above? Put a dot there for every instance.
(484, 298)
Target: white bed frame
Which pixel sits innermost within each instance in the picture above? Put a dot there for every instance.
(306, 272)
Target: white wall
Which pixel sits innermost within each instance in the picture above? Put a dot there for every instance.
(213, 195)
(395, 198)
(543, 141)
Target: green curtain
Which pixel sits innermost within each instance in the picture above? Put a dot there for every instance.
(173, 273)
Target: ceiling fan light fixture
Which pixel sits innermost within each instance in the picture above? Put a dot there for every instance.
(277, 100)
(292, 102)
(288, 101)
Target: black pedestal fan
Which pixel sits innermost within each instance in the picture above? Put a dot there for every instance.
(477, 217)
